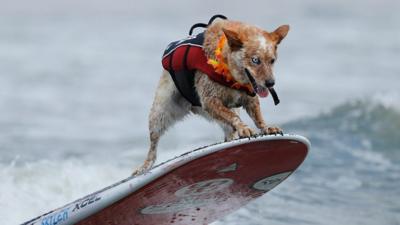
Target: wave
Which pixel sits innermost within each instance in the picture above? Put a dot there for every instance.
(340, 173)
(29, 189)
(372, 124)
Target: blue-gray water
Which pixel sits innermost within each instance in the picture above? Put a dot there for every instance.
(77, 79)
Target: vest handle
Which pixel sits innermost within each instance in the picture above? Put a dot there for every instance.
(203, 25)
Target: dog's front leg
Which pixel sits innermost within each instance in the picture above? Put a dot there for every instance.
(253, 109)
(220, 112)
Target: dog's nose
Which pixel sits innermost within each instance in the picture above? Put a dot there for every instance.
(270, 83)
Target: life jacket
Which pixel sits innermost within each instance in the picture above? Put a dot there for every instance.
(183, 58)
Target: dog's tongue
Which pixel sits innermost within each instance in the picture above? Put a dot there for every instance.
(262, 92)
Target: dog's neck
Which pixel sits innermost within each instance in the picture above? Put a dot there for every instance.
(222, 68)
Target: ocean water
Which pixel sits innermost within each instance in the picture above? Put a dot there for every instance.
(77, 80)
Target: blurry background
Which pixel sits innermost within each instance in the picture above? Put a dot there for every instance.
(77, 79)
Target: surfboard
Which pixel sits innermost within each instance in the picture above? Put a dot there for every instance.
(197, 187)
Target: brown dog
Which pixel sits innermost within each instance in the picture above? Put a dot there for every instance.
(241, 58)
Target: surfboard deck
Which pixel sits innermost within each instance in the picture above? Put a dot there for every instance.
(197, 187)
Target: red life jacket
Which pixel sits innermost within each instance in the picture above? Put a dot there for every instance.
(183, 58)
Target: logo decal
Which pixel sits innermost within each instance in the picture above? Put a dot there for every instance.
(87, 201)
(56, 218)
(268, 183)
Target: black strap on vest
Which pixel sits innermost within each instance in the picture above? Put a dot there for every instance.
(203, 25)
(215, 17)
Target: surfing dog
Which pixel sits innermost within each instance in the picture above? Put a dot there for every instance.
(229, 67)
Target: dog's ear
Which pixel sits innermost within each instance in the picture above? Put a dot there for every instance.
(234, 41)
(280, 33)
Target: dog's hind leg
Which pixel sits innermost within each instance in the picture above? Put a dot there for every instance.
(168, 107)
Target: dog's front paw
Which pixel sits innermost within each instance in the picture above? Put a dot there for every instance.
(272, 130)
(245, 131)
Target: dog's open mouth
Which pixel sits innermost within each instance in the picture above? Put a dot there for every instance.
(260, 90)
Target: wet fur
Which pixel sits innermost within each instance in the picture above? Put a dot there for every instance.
(219, 103)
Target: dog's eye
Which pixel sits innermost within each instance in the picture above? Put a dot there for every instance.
(272, 61)
(256, 60)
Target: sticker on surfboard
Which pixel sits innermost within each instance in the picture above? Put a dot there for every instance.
(198, 187)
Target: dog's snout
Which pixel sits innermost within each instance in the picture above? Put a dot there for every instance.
(270, 83)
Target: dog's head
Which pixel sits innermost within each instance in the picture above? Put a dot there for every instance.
(254, 50)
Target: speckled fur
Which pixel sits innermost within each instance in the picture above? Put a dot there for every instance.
(219, 103)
